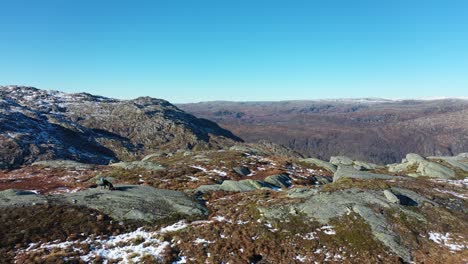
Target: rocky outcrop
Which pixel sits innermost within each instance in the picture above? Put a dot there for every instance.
(324, 207)
(146, 165)
(126, 202)
(271, 182)
(320, 163)
(350, 172)
(415, 165)
(459, 162)
(282, 180)
(40, 125)
(341, 160)
(242, 171)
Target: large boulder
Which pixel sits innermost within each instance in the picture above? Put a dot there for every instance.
(320, 163)
(367, 165)
(326, 206)
(137, 203)
(13, 198)
(412, 157)
(351, 172)
(281, 180)
(391, 197)
(415, 165)
(272, 182)
(126, 203)
(455, 162)
(431, 169)
(341, 160)
(242, 171)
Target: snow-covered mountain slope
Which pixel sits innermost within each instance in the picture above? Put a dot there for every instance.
(37, 124)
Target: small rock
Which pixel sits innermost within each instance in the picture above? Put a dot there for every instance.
(391, 197)
(243, 171)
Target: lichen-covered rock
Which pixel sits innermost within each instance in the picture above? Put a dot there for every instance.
(367, 165)
(431, 169)
(281, 181)
(242, 171)
(341, 160)
(391, 197)
(147, 165)
(323, 207)
(127, 202)
(351, 172)
(20, 198)
(320, 163)
(235, 186)
(412, 157)
(456, 162)
(137, 203)
(415, 166)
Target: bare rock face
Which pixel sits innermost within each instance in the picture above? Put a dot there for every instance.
(43, 125)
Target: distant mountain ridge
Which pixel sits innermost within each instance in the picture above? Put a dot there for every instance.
(376, 130)
(37, 124)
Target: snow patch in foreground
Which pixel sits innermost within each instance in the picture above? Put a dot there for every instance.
(444, 239)
(127, 248)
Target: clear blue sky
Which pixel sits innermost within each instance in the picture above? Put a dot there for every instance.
(189, 51)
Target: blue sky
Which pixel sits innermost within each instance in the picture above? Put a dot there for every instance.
(190, 51)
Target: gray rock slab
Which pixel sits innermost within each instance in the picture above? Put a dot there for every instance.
(350, 172)
(341, 160)
(134, 202)
(320, 163)
(13, 197)
(281, 180)
(431, 169)
(243, 171)
(147, 165)
(391, 197)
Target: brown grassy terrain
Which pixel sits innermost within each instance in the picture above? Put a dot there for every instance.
(380, 132)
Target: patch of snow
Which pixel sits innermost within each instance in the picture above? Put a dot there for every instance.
(199, 168)
(181, 260)
(202, 241)
(220, 218)
(328, 229)
(300, 258)
(460, 183)
(175, 227)
(444, 239)
(192, 178)
(459, 195)
(220, 173)
(309, 236)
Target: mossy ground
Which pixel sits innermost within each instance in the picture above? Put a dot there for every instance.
(21, 226)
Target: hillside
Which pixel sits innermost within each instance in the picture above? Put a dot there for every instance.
(237, 205)
(40, 125)
(376, 130)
